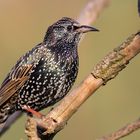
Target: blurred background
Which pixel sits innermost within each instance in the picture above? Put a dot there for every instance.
(23, 24)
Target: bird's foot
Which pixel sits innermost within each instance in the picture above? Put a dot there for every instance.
(32, 111)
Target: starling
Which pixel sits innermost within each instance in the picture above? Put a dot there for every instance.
(45, 74)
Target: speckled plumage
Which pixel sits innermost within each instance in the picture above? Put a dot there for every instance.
(45, 74)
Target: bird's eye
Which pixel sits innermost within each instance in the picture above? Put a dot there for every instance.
(69, 28)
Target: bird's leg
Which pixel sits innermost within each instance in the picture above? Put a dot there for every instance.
(32, 111)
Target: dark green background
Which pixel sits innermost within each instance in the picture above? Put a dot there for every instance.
(23, 24)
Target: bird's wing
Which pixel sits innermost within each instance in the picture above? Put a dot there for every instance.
(14, 82)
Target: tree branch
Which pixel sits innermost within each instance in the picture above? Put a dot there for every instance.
(31, 129)
(91, 11)
(108, 68)
(126, 130)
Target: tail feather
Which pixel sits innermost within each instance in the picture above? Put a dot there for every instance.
(11, 119)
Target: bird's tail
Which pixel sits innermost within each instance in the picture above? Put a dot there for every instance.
(5, 124)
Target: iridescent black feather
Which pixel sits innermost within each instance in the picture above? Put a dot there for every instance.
(44, 75)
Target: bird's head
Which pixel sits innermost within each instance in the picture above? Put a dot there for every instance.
(66, 30)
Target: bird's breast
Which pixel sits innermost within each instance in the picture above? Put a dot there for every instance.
(50, 80)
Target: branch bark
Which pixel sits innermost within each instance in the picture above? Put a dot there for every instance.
(105, 70)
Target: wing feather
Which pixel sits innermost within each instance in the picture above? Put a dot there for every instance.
(15, 81)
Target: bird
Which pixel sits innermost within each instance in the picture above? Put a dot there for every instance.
(46, 73)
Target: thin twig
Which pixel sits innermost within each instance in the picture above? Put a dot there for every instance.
(91, 11)
(126, 130)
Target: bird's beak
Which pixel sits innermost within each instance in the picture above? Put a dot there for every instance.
(85, 29)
